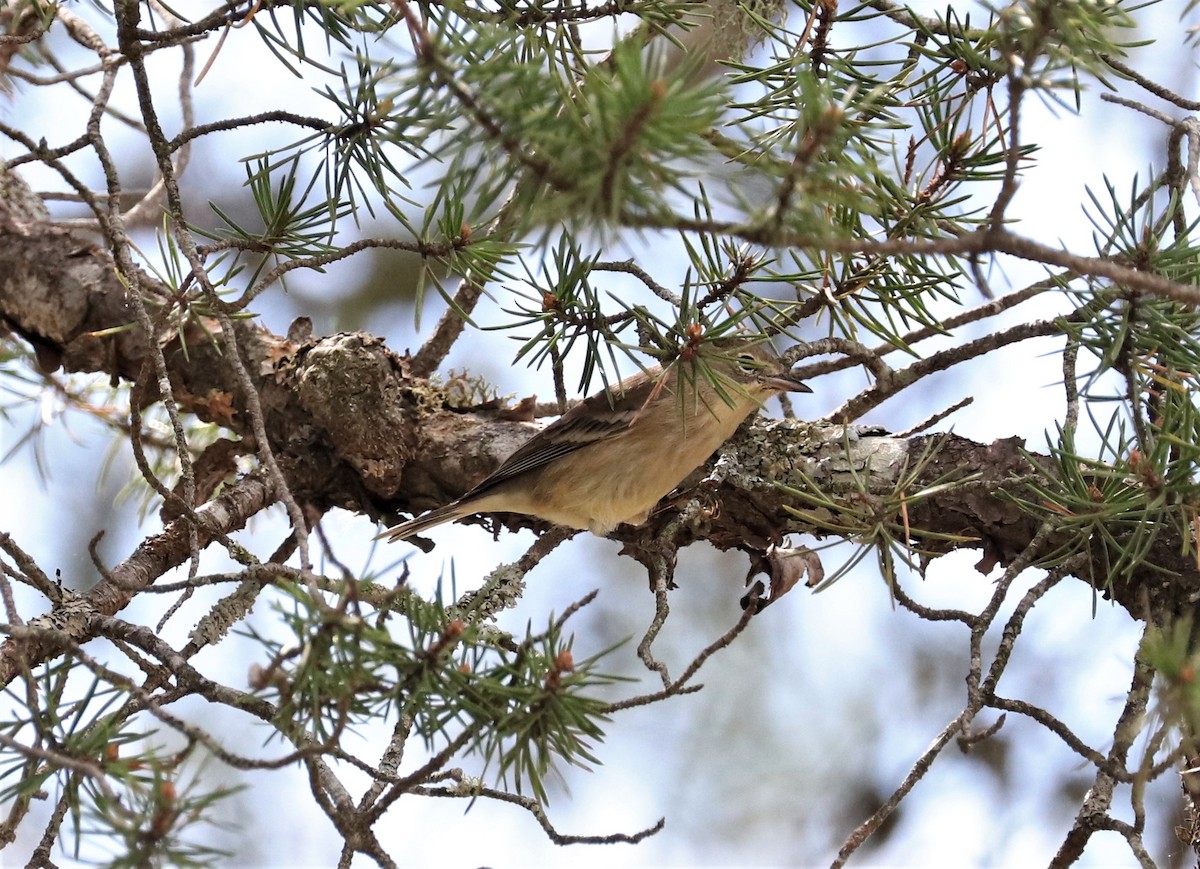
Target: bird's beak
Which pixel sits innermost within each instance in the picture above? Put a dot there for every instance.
(784, 383)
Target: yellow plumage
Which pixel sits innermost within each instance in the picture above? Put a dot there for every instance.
(611, 458)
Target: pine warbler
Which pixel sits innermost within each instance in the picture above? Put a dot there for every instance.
(612, 457)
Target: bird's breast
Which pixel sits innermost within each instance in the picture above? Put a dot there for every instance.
(620, 478)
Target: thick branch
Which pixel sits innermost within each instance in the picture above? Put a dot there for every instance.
(354, 428)
(153, 558)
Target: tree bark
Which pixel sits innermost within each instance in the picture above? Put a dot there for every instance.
(351, 427)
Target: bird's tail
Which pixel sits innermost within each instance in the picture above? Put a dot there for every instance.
(407, 529)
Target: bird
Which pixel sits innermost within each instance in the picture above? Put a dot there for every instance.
(610, 459)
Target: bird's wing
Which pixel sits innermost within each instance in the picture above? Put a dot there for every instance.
(566, 434)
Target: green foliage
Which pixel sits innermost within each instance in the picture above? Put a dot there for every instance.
(1170, 650)
(127, 797)
(877, 524)
(473, 129)
(522, 707)
(1112, 507)
(1142, 483)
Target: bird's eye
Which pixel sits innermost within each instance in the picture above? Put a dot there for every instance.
(747, 362)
